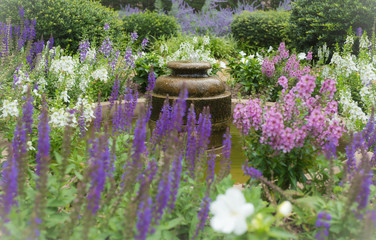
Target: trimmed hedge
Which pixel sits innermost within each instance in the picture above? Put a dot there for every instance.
(315, 22)
(151, 25)
(261, 29)
(67, 20)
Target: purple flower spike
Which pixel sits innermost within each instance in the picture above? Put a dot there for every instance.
(252, 172)
(176, 171)
(359, 32)
(83, 49)
(27, 117)
(144, 43)
(21, 13)
(134, 36)
(365, 190)
(151, 80)
(106, 27)
(202, 215)
(115, 92)
(144, 218)
(43, 141)
(323, 222)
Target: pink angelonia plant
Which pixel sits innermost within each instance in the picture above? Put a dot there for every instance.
(285, 138)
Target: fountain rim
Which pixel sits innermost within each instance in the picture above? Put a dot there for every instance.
(185, 65)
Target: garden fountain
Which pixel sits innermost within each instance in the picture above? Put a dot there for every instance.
(203, 90)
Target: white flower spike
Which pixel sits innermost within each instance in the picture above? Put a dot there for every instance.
(230, 212)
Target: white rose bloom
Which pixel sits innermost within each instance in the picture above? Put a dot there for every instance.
(10, 108)
(285, 208)
(230, 212)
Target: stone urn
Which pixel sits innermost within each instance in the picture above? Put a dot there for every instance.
(203, 90)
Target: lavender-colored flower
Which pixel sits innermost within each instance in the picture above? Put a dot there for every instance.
(176, 170)
(144, 219)
(163, 124)
(50, 42)
(139, 146)
(162, 198)
(202, 215)
(144, 43)
(129, 58)
(364, 191)
(191, 151)
(151, 80)
(82, 123)
(210, 170)
(21, 13)
(9, 186)
(106, 47)
(98, 116)
(359, 32)
(43, 141)
(106, 27)
(27, 117)
(134, 36)
(115, 92)
(100, 166)
(203, 131)
(323, 222)
(130, 102)
(252, 172)
(83, 49)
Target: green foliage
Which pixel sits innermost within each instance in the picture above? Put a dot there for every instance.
(151, 25)
(220, 47)
(261, 29)
(316, 22)
(68, 21)
(248, 73)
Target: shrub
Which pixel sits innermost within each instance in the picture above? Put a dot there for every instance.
(67, 20)
(261, 29)
(313, 23)
(150, 24)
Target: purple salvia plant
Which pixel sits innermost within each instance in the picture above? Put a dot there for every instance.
(114, 60)
(179, 110)
(144, 219)
(43, 141)
(130, 102)
(203, 131)
(106, 47)
(21, 13)
(139, 146)
(115, 92)
(134, 36)
(364, 192)
(323, 223)
(98, 115)
(83, 49)
(163, 125)
(82, 122)
(128, 10)
(27, 108)
(106, 27)
(129, 58)
(144, 43)
(162, 198)
(50, 42)
(9, 186)
(190, 154)
(202, 215)
(252, 172)
(151, 80)
(210, 171)
(176, 170)
(100, 166)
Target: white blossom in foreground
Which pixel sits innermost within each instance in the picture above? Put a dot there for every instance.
(230, 212)
(61, 118)
(301, 56)
(10, 108)
(285, 209)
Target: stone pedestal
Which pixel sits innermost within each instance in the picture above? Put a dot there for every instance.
(203, 90)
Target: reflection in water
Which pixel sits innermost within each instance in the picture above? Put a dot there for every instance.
(237, 156)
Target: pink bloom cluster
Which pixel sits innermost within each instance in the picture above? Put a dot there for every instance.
(268, 67)
(328, 88)
(297, 116)
(282, 50)
(248, 115)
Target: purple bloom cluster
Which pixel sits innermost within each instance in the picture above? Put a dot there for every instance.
(134, 36)
(144, 217)
(151, 80)
(248, 115)
(252, 172)
(268, 67)
(83, 49)
(43, 141)
(106, 47)
(129, 58)
(202, 215)
(144, 43)
(323, 222)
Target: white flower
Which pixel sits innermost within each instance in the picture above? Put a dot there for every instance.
(64, 95)
(349, 41)
(101, 74)
(270, 49)
(36, 93)
(206, 40)
(83, 103)
(222, 64)
(364, 42)
(252, 56)
(230, 212)
(29, 146)
(242, 60)
(242, 53)
(194, 40)
(301, 56)
(90, 55)
(61, 117)
(285, 208)
(10, 108)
